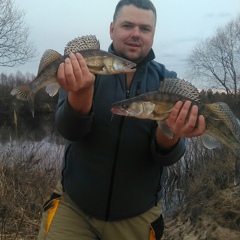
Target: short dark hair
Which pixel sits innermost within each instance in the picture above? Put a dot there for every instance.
(143, 4)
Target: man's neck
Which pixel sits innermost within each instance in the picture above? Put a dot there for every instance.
(129, 77)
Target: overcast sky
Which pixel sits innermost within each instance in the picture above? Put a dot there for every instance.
(181, 25)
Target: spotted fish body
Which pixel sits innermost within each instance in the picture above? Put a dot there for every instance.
(97, 60)
(222, 126)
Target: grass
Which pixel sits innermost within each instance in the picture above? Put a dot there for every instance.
(28, 174)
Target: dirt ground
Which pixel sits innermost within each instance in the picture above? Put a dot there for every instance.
(216, 218)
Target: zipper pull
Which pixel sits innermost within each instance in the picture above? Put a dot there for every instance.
(127, 93)
(138, 90)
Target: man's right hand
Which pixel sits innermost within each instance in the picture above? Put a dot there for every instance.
(74, 77)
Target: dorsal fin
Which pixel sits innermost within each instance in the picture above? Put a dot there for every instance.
(88, 42)
(181, 88)
(48, 57)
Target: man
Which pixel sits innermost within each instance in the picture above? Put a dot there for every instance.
(110, 184)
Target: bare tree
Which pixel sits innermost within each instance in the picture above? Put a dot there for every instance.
(217, 59)
(14, 46)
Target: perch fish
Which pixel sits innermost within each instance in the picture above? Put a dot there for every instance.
(97, 60)
(222, 126)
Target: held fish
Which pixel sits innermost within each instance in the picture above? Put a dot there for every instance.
(222, 126)
(97, 60)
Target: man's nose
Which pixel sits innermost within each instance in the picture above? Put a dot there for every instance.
(136, 32)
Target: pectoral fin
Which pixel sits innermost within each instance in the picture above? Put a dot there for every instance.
(209, 141)
(165, 129)
(52, 89)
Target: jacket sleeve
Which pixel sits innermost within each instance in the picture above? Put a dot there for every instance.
(171, 157)
(70, 124)
(170, 74)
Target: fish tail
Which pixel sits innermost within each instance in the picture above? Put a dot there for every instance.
(24, 93)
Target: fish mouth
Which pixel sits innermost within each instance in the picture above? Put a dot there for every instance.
(119, 111)
(131, 67)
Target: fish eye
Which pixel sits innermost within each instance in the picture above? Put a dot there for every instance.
(125, 106)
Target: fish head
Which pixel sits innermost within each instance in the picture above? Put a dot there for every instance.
(133, 108)
(116, 65)
(122, 65)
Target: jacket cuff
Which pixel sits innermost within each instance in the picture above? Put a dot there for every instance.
(170, 158)
(71, 124)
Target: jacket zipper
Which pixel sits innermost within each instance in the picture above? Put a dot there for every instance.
(114, 166)
(113, 172)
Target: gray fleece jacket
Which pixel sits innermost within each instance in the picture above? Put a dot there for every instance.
(112, 168)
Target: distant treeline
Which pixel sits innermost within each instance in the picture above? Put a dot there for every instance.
(211, 96)
(45, 107)
(16, 120)
(46, 104)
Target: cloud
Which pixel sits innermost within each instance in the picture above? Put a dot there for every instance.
(189, 39)
(217, 15)
(170, 55)
(224, 15)
(208, 15)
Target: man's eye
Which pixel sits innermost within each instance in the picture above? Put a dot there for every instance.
(127, 26)
(145, 29)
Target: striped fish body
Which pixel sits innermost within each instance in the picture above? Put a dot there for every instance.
(221, 124)
(97, 60)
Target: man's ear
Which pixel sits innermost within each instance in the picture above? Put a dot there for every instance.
(111, 30)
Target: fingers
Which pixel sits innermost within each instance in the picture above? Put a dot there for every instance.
(184, 120)
(73, 74)
(174, 113)
(82, 63)
(181, 119)
(72, 69)
(192, 120)
(76, 67)
(61, 75)
(200, 129)
(178, 115)
(65, 75)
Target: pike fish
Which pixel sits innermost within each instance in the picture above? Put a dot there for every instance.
(97, 60)
(222, 126)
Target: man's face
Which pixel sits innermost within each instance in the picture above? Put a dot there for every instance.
(132, 33)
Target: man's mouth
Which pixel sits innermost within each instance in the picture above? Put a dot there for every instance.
(133, 44)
